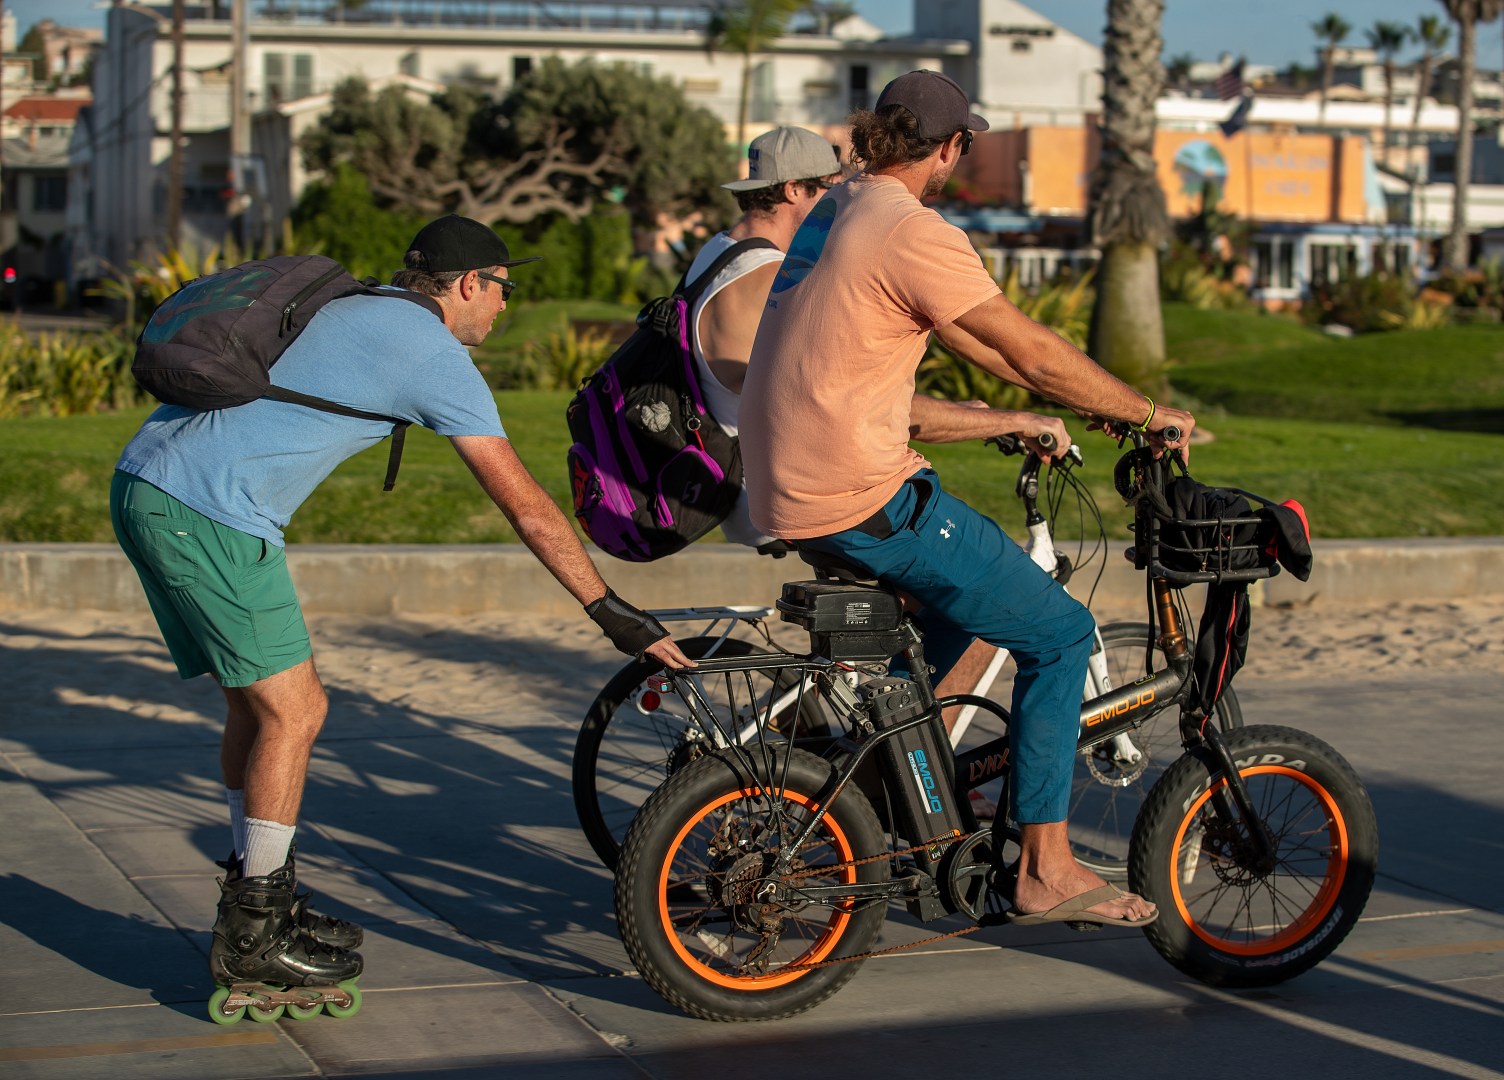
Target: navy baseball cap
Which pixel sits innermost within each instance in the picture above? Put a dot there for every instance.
(937, 102)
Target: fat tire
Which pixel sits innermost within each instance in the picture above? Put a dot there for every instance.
(1102, 817)
(599, 720)
(673, 825)
(1221, 923)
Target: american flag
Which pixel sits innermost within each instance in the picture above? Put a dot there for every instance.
(1230, 82)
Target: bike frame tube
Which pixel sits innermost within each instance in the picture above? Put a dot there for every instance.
(1103, 718)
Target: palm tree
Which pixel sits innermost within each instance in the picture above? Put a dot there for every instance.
(1127, 207)
(1386, 39)
(1467, 14)
(1433, 35)
(748, 27)
(1330, 30)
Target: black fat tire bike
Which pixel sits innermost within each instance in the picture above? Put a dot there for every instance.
(753, 882)
(634, 737)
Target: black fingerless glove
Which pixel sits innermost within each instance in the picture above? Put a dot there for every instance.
(629, 629)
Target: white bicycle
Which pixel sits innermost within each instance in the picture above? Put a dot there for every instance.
(635, 736)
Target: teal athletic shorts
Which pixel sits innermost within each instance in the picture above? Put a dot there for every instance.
(223, 598)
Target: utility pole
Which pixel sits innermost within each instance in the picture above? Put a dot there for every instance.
(240, 121)
(175, 159)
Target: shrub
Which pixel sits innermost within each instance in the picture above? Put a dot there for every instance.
(563, 358)
(338, 217)
(588, 260)
(1184, 276)
(1064, 306)
(64, 374)
(1376, 302)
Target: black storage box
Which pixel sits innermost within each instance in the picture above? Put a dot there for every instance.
(846, 622)
(829, 606)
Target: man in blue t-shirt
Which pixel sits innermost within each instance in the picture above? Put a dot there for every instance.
(199, 501)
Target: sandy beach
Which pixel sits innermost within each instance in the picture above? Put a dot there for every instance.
(472, 665)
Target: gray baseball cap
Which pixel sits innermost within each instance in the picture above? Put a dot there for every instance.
(784, 154)
(937, 102)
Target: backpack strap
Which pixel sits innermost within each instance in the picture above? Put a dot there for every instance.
(662, 315)
(399, 426)
(691, 292)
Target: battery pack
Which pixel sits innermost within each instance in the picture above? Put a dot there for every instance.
(919, 764)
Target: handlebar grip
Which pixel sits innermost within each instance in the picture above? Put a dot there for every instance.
(1170, 434)
(1045, 440)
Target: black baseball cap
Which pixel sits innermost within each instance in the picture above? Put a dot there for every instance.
(459, 243)
(937, 102)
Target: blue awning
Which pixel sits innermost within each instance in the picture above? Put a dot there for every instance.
(992, 220)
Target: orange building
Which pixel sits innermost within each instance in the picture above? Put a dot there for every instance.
(1263, 175)
(1313, 200)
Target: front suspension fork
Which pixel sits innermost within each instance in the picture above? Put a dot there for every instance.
(1234, 802)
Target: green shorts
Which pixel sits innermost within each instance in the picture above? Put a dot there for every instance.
(223, 598)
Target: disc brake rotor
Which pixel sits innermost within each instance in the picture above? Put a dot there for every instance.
(1108, 770)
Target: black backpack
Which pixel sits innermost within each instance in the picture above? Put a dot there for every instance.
(212, 344)
(650, 469)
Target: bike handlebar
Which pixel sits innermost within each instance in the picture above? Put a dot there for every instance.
(1013, 444)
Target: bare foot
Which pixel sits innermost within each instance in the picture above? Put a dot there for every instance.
(1049, 875)
(1034, 893)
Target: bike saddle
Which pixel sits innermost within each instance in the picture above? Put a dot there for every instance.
(834, 568)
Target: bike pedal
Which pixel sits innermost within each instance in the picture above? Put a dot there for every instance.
(1081, 926)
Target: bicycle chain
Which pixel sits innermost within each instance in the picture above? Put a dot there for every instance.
(944, 840)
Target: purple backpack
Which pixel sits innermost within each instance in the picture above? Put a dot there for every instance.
(650, 469)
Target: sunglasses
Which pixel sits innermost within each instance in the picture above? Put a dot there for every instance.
(966, 138)
(506, 284)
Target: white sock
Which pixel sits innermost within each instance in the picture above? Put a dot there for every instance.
(236, 798)
(266, 846)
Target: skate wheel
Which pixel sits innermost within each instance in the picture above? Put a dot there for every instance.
(341, 1011)
(217, 1011)
(266, 1016)
(304, 1012)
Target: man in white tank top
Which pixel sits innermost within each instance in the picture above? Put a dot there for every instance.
(789, 170)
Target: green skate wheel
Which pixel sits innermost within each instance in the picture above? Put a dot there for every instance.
(266, 1016)
(217, 1011)
(342, 1011)
(304, 1012)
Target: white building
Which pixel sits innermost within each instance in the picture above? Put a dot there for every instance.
(298, 52)
(1021, 69)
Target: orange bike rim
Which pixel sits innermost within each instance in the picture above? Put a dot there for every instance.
(823, 945)
(1319, 906)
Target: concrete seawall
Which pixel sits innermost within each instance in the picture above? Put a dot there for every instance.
(358, 579)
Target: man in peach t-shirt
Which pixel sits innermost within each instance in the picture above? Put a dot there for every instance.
(828, 410)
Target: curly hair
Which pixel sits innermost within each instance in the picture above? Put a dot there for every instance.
(762, 200)
(889, 138)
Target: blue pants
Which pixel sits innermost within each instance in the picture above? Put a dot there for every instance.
(974, 581)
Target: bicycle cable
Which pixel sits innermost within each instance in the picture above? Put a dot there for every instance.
(1087, 510)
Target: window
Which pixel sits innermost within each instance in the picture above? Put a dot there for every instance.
(1273, 264)
(49, 194)
(287, 76)
(1331, 263)
(408, 64)
(522, 67)
(859, 84)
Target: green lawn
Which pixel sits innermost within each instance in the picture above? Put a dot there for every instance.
(1261, 365)
(1385, 435)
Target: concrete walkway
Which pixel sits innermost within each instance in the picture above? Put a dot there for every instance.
(440, 816)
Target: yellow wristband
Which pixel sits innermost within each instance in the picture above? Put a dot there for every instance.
(1148, 419)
